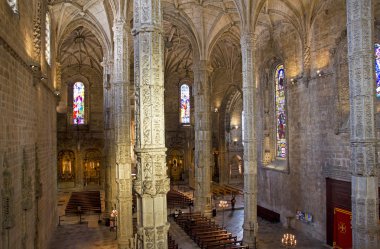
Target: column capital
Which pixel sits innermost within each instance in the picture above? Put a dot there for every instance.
(119, 22)
(248, 40)
(202, 65)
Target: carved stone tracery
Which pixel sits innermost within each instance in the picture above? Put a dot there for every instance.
(152, 183)
(37, 33)
(26, 185)
(7, 198)
(364, 168)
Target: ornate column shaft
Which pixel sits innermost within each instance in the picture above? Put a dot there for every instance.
(152, 183)
(249, 141)
(365, 202)
(203, 156)
(107, 97)
(122, 118)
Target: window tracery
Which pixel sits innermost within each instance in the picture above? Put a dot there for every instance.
(78, 103)
(377, 69)
(47, 40)
(280, 113)
(13, 5)
(185, 104)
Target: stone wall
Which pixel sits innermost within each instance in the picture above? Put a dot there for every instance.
(83, 138)
(27, 134)
(318, 143)
(179, 139)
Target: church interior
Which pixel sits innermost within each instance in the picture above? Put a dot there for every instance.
(215, 119)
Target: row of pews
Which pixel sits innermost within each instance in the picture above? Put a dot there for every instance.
(222, 190)
(84, 202)
(206, 233)
(177, 199)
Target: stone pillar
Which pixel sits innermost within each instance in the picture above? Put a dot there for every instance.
(107, 134)
(152, 183)
(365, 202)
(250, 225)
(202, 157)
(122, 119)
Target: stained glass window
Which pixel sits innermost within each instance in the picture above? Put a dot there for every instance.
(78, 103)
(185, 104)
(47, 39)
(13, 5)
(377, 69)
(280, 112)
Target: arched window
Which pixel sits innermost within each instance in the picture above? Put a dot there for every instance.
(13, 5)
(78, 103)
(280, 112)
(47, 39)
(377, 69)
(185, 104)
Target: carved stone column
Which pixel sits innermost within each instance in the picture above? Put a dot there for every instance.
(152, 183)
(249, 141)
(122, 119)
(365, 202)
(203, 156)
(107, 133)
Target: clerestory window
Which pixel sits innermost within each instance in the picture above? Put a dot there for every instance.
(280, 112)
(13, 4)
(377, 69)
(185, 104)
(78, 103)
(47, 40)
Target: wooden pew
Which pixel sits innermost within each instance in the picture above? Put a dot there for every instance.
(206, 233)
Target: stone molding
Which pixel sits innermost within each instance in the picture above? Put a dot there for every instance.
(364, 168)
(15, 55)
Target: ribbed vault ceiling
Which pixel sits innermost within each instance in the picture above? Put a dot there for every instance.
(81, 48)
(178, 50)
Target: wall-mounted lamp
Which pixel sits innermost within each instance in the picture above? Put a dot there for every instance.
(56, 92)
(43, 78)
(319, 73)
(293, 81)
(34, 67)
(216, 109)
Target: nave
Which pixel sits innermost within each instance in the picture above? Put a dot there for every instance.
(91, 234)
(126, 97)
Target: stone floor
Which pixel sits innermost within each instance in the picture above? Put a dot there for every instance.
(72, 235)
(269, 234)
(88, 235)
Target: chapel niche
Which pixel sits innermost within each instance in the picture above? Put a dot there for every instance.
(236, 170)
(233, 167)
(176, 165)
(66, 166)
(91, 167)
